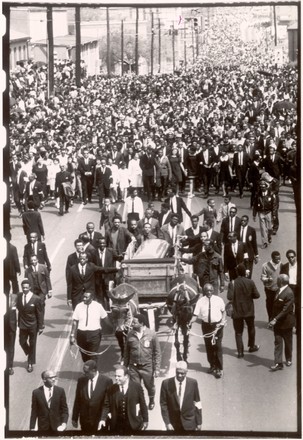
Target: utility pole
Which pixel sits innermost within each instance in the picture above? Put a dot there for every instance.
(107, 42)
(275, 25)
(185, 48)
(152, 45)
(50, 41)
(159, 54)
(173, 44)
(122, 46)
(78, 46)
(137, 42)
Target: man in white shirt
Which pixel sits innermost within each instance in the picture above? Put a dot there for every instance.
(87, 318)
(211, 309)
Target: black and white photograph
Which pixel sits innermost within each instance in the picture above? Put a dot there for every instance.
(151, 199)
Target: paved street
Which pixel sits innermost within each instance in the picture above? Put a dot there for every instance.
(248, 398)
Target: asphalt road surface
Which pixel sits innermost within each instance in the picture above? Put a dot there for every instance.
(248, 399)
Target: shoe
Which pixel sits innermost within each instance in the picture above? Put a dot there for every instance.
(151, 405)
(219, 374)
(276, 367)
(288, 363)
(240, 355)
(211, 370)
(264, 246)
(241, 196)
(269, 239)
(84, 203)
(30, 368)
(274, 232)
(254, 348)
(66, 211)
(10, 371)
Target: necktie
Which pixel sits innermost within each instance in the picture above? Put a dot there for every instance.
(33, 248)
(231, 225)
(101, 258)
(234, 250)
(133, 205)
(90, 238)
(91, 388)
(86, 315)
(49, 398)
(240, 159)
(24, 299)
(242, 233)
(82, 271)
(173, 235)
(122, 389)
(209, 311)
(179, 392)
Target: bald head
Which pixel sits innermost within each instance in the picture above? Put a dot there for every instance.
(283, 280)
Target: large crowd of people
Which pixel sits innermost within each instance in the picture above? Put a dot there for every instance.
(221, 128)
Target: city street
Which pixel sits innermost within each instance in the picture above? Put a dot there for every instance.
(248, 399)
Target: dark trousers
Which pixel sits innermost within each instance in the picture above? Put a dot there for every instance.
(283, 335)
(296, 290)
(148, 182)
(89, 340)
(213, 351)
(102, 194)
(238, 324)
(87, 187)
(163, 188)
(28, 340)
(10, 321)
(64, 203)
(144, 373)
(206, 179)
(11, 282)
(270, 297)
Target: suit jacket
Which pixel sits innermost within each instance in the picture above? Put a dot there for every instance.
(89, 410)
(167, 220)
(135, 398)
(103, 179)
(40, 252)
(37, 195)
(283, 309)
(231, 261)
(148, 164)
(11, 262)
(225, 228)
(110, 259)
(211, 159)
(190, 233)
(49, 418)
(274, 168)
(189, 416)
(62, 177)
(180, 207)
(124, 238)
(31, 314)
(242, 291)
(106, 218)
(32, 222)
(73, 259)
(241, 169)
(83, 167)
(96, 236)
(43, 278)
(164, 233)
(251, 242)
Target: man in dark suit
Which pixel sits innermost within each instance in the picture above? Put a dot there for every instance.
(89, 399)
(86, 167)
(81, 278)
(30, 322)
(10, 330)
(206, 159)
(291, 270)
(165, 214)
(92, 235)
(125, 401)
(148, 165)
(35, 247)
(106, 257)
(148, 218)
(49, 406)
(170, 232)
(19, 179)
(273, 163)
(230, 224)
(116, 156)
(118, 237)
(249, 237)
(180, 402)
(11, 268)
(32, 221)
(235, 252)
(242, 292)
(108, 212)
(195, 230)
(63, 188)
(283, 321)
(176, 204)
(103, 179)
(39, 280)
(240, 165)
(34, 192)
(215, 236)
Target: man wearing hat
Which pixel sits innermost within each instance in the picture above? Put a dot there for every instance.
(265, 205)
(142, 356)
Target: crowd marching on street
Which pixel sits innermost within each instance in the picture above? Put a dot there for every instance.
(228, 129)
